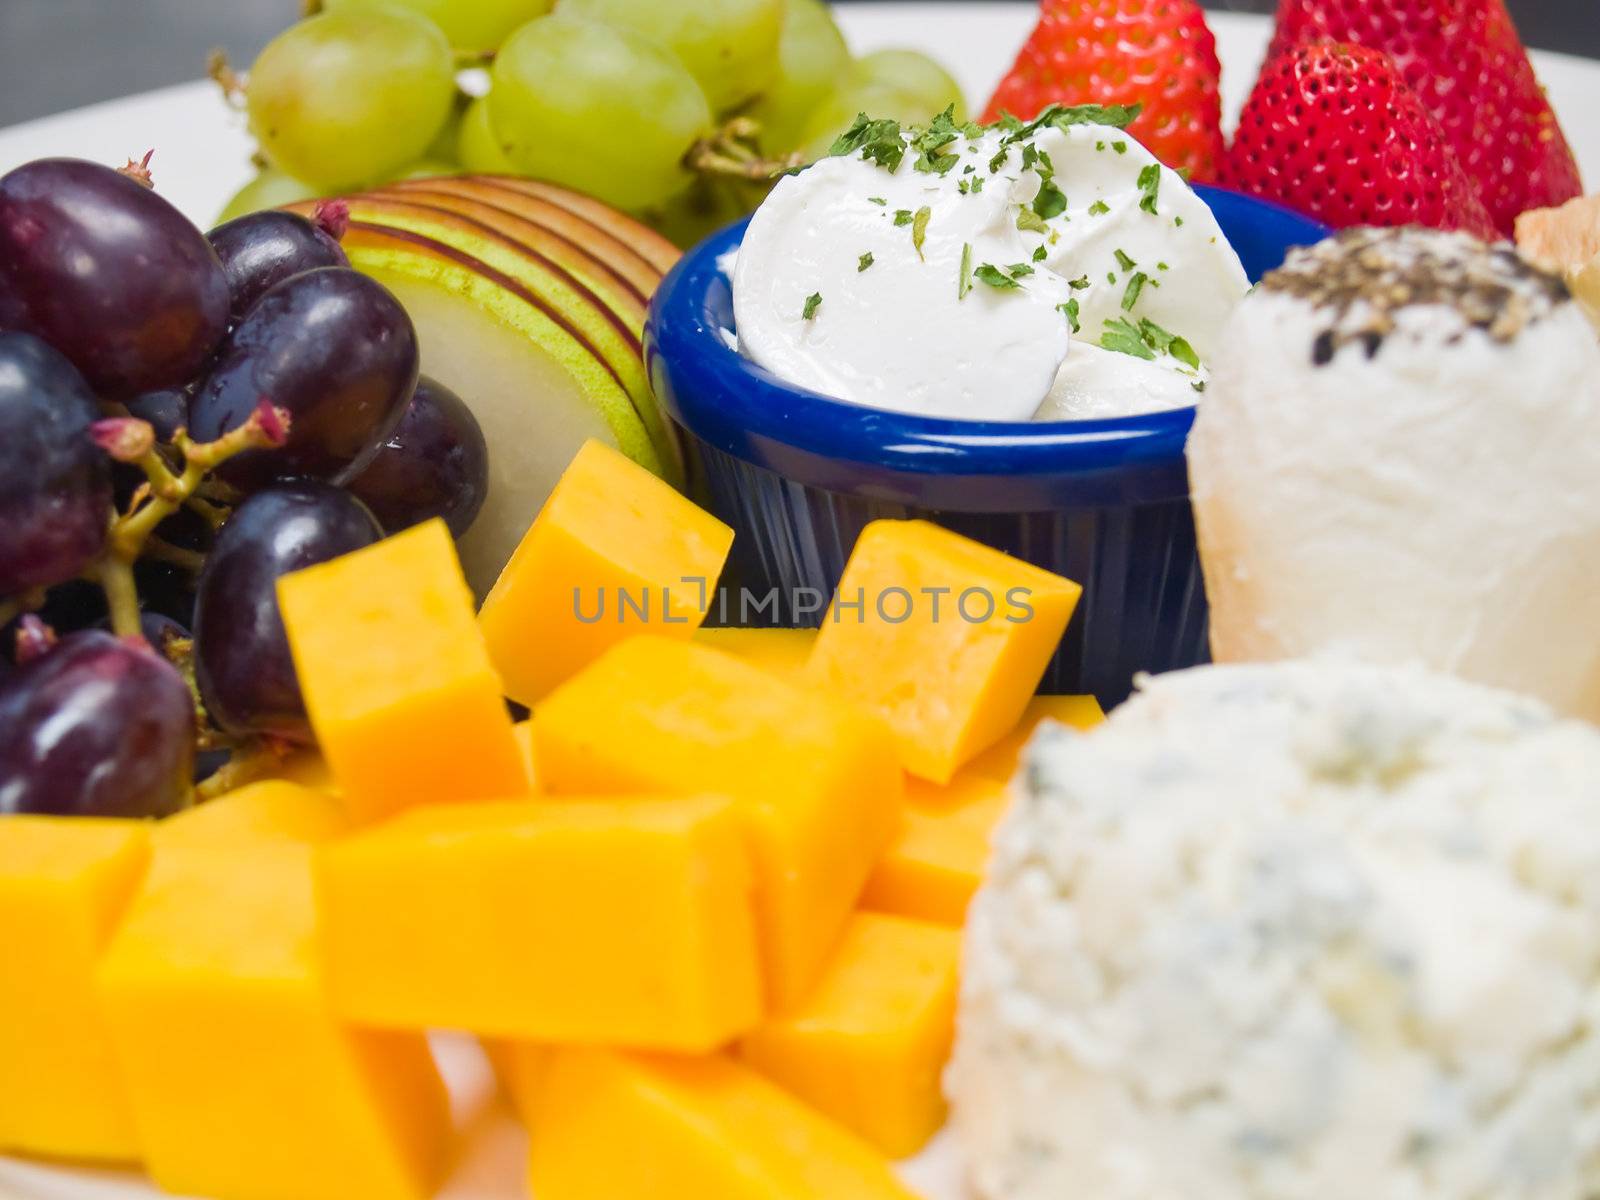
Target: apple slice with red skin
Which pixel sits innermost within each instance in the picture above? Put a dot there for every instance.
(637, 263)
(654, 248)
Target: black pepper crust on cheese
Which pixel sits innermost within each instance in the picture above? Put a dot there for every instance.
(1364, 278)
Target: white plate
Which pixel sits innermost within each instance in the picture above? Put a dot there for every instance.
(202, 157)
(494, 1150)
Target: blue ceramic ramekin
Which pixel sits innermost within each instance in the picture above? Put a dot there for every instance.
(798, 475)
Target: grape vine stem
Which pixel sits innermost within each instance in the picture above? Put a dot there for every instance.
(158, 549)
(732, 153)
(221, 72)
(214, 515)
(261, 761)
(164, 493)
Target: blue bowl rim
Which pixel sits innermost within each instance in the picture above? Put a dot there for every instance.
(744, 410)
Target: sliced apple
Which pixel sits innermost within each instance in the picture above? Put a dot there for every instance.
(659, 252)
(531, 309)
(617, 257)
(522, 255)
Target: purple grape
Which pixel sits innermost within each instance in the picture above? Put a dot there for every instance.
(12, 314)
(96, 727)
(167, 411)
(435, 464)
(263, 249)
(242, 661)
(55, 483)
(336, 351)
(110, 274)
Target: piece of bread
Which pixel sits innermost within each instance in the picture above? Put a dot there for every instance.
(1567, 239)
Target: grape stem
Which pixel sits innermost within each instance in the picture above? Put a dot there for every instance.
(732, 153)
(332, 217)
(164, 493)
(218, 493)
(214, 515)
(158, 549)
(221, 71)
(115, 577)
(138, 170)
(259, 760)
(179, 651)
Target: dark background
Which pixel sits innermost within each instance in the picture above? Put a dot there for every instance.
(60, 54)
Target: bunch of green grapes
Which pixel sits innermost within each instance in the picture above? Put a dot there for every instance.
(641, 103)
(473, 26)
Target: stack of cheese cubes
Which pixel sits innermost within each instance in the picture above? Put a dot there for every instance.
(695, 909)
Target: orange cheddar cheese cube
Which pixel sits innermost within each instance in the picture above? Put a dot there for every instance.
(936, 864)
(518, 1070)
(1000, 760)
(270, 811)
(64, 883)
(308, 769)
(625, 921)
(243, 1085)
(942, 637)
(613, 1126)
(784, 652)
(815, 780)
(869, 1044)
(405, 703)
(615, 552)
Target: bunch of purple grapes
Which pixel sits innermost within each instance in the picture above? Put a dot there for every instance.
(116, 311)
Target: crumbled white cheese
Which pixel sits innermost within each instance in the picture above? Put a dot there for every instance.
(1311, 931)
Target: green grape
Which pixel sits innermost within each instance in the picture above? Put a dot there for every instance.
(350, 97)
(833, 116)
(730, 46)
(270, 189)
(477, 150)
(914, 74)
(443, 146)
(473, 25)
(599, 109)
(812, 56)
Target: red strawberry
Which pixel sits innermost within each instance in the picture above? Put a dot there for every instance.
(1334, 131)
(1466, 62)
(1158, 53)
